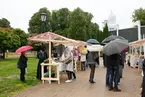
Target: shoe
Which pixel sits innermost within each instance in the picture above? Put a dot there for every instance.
(110, 88)
(68, 81)
(73, 78)
(119, 83)
(23, 81)
(92, 82)
(107, 85)
(116, 89)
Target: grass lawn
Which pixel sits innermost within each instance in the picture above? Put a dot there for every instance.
(9, 76)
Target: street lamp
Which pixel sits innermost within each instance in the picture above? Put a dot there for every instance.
(43, 19)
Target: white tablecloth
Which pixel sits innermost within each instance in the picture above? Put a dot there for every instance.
(62, 66)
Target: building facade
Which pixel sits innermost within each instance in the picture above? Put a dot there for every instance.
(131, 34)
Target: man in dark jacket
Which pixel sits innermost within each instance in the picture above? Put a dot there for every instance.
(22, 65)
(108, 69)
(42, 55)
(114, 67)
(91, 61)
(143, 81)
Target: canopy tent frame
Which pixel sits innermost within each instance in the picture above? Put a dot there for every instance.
(47, 38)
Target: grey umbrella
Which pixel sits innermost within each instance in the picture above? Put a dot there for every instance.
(115, 47)
(110, 38)
(92, 41)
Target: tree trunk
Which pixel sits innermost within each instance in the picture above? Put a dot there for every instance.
(3, 57)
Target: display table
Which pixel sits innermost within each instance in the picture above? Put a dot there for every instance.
(43, 78)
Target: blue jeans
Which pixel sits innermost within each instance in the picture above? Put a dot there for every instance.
(108, 75)
(114, 76)
(86, 64)
(120, 73)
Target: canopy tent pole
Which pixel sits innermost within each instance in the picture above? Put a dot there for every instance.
(50, 59)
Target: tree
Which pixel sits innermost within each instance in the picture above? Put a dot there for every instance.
(35, 24)
(79, 21)
(139, 14)
(74, 24)
(22, 35)
(8, 41)
(60, 20)
(4, 23)
(93, 31)
(105, 32)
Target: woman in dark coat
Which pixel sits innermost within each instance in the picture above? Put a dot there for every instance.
(42, 55)
(22, 65)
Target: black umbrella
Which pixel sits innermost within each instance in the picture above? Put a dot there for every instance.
(92, 41)
(111, 38)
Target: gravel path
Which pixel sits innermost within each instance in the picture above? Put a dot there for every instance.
(130, 85)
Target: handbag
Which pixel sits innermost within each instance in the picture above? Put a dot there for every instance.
(68, 61)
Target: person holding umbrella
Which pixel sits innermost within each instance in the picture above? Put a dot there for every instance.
(22, 62)
(22, 65)
(92, 59)
(143, 80)
(113, 49)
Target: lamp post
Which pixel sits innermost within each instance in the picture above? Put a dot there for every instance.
(43, 19)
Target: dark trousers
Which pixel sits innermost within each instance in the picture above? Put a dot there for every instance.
(83, 67)
(74, 75)
(120, 72)
(70, 74)
(22, 74)
(92, 67)
(108, 75)
(114, 76)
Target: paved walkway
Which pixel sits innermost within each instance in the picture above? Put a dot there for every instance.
(130, 85)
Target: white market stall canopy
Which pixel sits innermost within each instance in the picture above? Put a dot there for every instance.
(55, 38)
(137, 43)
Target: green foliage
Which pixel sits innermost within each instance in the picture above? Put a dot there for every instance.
(36, 25)
(60, 21)
(139, 14)
(4, 23)
(104, 34)
(9, 41)
(80, 24)
(74, 24)
(9, 76)
(22, 35)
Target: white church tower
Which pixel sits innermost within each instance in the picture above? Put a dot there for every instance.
(112, 22)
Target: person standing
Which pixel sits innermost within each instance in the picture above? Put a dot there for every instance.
(83, 58)
(67, 59)
(143, 80)
(114, 67)
(121, 66)
(91, 61)
(108, 69)
(22, 65)
(42, 55)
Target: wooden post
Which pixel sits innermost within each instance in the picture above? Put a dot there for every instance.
(42, 73)
(50, 61)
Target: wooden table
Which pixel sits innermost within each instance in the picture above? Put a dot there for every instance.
(49, 70)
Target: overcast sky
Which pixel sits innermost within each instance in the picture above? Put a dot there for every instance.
(19, 12)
